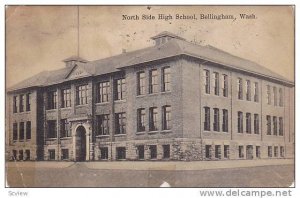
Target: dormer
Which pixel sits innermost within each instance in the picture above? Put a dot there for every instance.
(73, 60)
(164, 37)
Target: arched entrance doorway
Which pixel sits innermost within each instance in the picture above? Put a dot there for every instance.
(80, 144)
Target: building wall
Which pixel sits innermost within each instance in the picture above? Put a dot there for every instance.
(187, 98)
(26, 144)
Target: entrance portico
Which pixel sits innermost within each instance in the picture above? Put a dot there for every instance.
(81, 133)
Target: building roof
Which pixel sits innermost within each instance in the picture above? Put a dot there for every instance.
(172, 48)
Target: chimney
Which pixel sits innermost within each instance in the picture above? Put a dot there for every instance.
(164, 37)
(73, 60)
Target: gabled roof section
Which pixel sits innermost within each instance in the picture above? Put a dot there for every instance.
(79, 71)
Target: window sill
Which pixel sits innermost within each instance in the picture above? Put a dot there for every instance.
(81, 105)
(140, 133)
(119, 135)
(166, 92)
(141, 96)
(120, 101)
(21, 113)
(166, 131)
(153, 94)
(65, 138)
(51, 139)
(152, 132)
(66, 108)
(102, 103)
(102, 136)
(51, 110)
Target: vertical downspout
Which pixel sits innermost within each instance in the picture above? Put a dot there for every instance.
(231, 98)
(112, 115)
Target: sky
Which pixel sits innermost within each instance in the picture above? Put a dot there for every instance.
(38, 38)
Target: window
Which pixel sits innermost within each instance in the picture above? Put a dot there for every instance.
(153, 81)
(280, 97)
(103, 90)
(141, 120)
(256, 124)
(141, 83)
(21, 106)
(121, 153)
(64, 128)
(166, 79)
(28, 102)
(51, 153)
(65, 154)
(14, 157)
(269, 151)
(240, 122)
(275, 96)
(281, 151)
(27, 154)
(241, 151)
(218, 151)
(249, 152)
(269, 132)
(28, 130)
(166, 151)
(207, 81)
(120, 89)
(256, 92)
(120, 119)
(81, 94)
(21, 137)
(275, 151)
(274, 125)
(153, 151)
(225, 85)
(206, 118)
(257, 151)
(248, 90)
(280, 126)
(102, 122)
(226, 151)
(21, 156)
(216, 83)
(141, 152)
(66, 98)
(103, 153)
(268, 94)
(52, 129)
(52, 100)
(15, 107)
(240, 88)
(167, 117)
(208, 151)
(15, 131)
(153, 119)
(248, 122)
(225, 121)
(216, 119)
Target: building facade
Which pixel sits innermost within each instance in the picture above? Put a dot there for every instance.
(173, 101)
